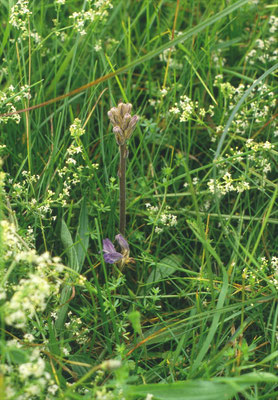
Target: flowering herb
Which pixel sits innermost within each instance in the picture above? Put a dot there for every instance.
(123, 126)
(110, 254)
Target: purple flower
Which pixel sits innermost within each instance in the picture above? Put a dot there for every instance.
(122, 242)
(110, 254)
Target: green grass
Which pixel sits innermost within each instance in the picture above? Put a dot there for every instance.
(194, 314)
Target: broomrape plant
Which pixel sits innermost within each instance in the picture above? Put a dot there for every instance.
(123, 127)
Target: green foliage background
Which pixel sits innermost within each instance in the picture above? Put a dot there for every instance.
(195, 314)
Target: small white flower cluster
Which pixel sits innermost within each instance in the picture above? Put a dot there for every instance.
(98, 45)
(226, 184)
(255, 276)
(79, 330)
(24, 189)
(99, 12)
(30, 379)
(19, 16)
(104, 394)
(76, 129)
(30, 296)
(33, 293)
(265, 49)
(256, 111)
(11, 240)
(185, 108)
(8, 99)
(226, 88)
(167, 57)
(160, 219)
(273, 22)
(274, 271)
(233, 180)
(250, 143)
(260, 158)
(73, 171)
(216, 54)
(164, 91)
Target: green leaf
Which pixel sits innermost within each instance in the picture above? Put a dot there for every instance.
(65, 295)
(82, 364)
(166, 267)
(16, 355)
(214, 324)
(185, 390)
(82, 235)
(72, 263)
(69, 246)
(251, 378)
(216, 389)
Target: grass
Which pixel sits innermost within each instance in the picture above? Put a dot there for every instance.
(193, 313)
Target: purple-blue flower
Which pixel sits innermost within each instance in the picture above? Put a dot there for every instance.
(122, 242)
(110, 254)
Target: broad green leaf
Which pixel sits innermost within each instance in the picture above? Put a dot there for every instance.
(15, 355)
(69, 246)
(82, 364)
(65, 295)
(72, 263)
(185, 390)
(216, 389)
(166, 267)
(82, 235)
(252, 377)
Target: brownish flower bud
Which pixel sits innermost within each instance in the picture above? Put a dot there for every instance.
(122, 122)
(124, 108)
(119, 134)
(131, 126)
(126, 120)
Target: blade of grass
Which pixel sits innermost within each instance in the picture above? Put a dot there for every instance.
(214, 324)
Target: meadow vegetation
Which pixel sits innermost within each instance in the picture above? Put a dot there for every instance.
(179, 301)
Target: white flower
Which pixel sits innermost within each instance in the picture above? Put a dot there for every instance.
(98, 46)
(53, 389)
(29, 337)
(163, 92)
(174, 110)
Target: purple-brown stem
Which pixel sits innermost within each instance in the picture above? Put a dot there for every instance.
(122, 171)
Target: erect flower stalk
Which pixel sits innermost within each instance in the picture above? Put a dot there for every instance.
(122, 179)
(123, 126)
